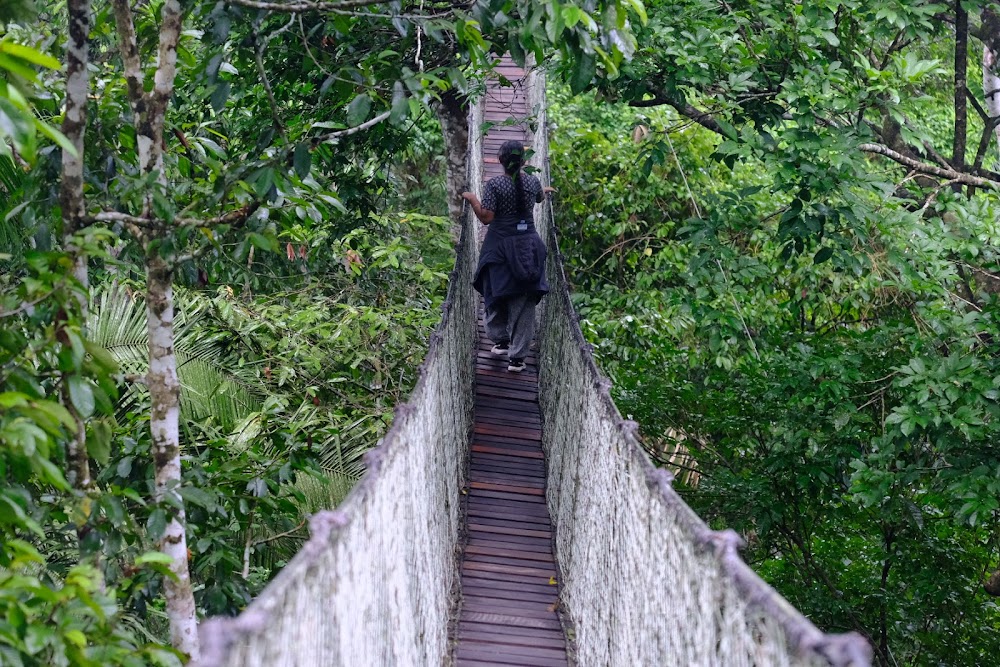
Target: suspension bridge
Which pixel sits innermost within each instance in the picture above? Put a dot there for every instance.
(515, 519)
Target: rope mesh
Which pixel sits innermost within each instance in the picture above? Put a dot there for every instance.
(644, 580)
(374, 583)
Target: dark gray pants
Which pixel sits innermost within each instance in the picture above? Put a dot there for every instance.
(512, 321)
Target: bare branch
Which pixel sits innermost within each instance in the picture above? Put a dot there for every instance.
(702, 118)
(297, 7)
(339, 134)
(134, 224)
(984, 142)
(258, 58)
(979, 107)
(236, 216)
(134, 378)
(924, 168)
(129, 47)
(287, 533)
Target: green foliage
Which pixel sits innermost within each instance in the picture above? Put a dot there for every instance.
(71, 624)
(817, 330)
(303, 303)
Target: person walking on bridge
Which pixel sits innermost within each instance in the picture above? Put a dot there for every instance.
(511, 271)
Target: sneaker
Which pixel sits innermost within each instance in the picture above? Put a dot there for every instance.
(516, 365)
(500, 349)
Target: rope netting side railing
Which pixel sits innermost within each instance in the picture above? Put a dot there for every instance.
(644, 580)
(375, 582)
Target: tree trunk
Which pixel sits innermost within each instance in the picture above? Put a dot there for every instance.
(164, 389)
(164, 393)
(452, 113)
(961, 75)
(991, 66)
(72, 201)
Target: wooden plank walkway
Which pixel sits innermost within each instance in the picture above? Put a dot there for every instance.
(509, 579)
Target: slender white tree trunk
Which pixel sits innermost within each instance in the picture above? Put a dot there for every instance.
(164, 392)
(991, 86)
(989, 34)
(72, 201)
(150, 116)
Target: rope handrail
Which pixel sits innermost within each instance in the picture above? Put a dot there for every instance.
(375, 583)
(624, 534)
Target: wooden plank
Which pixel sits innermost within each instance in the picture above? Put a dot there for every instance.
(485, 636)
(521, 608)
(502, 451)
(499, 528)
(528, 650)
(509, 620)
(518, 465)
(508, 497)
(527, 418)
(530, 444)
(485, 653)
(509, 431)
(525, 467)
(556, 642)
(530, 579)
(541, 545)
(529, 504)
(486, 391)
(491, 596)
(508, 488)
(531, 610)
(501, 463)
(484, 588)
(539, 589)
(504, 378)
(490, 541)
(503, 561)
(510, 448)
(490, 475)
(540, 633)
(509, 434)
(522, 420)
(484, 522)
(530, 418)
(515, 517)
(484, 472)
(540, 592)
(523, 512)
(528, 375)
(508, 577)
(500, 568)
(492, 550)
(500, 471)
(506, 405)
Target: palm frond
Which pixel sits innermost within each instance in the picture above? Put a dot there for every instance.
(12, 233)
(10, 176)
(276, 543)
(342, 451)
(215, 388)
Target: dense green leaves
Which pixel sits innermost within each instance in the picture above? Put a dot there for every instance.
(806, 334)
